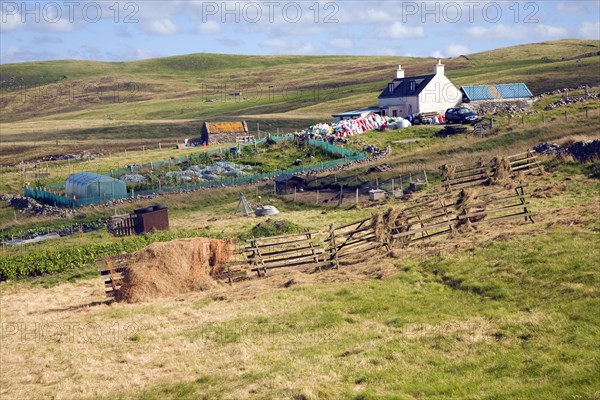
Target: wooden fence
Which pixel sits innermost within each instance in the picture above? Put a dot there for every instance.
(111, 271)
(482, 171)
(435, 216)
(299, 249)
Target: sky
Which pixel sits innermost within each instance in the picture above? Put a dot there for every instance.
(122, 30)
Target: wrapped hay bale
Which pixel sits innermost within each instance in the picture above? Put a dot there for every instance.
(175, 267)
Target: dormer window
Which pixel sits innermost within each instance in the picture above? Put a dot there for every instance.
(413, 86)
(390, 87)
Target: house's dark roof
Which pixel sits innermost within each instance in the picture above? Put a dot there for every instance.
(496, 92)
(402, 87)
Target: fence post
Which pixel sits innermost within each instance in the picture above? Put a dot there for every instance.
(566, 117)
(317, 203)
(341, 195)
(356, 197)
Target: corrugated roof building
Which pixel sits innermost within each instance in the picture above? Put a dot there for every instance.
(496, 92)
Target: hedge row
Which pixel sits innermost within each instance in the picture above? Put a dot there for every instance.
(34, 264)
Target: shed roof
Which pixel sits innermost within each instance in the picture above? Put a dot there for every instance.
(402, 87)
(237, 127)
(356, 112)
(287, 177)
(497, 91)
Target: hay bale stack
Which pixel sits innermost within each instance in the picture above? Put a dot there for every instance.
(465, 204)
(501, 171)
(175, 267)
(448, 171)
(393, 220)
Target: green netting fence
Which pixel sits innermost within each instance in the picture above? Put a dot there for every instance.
(347, 155)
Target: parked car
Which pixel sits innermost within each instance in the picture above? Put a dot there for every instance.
(461, 115)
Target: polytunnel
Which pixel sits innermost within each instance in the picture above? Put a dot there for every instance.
(87, 185)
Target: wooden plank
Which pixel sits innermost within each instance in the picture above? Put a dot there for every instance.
(301, 263)
(291, 249)
(431, 235)
(503, 218)
(532, 152)
(284, 236)
(535, 166)
(282, 259)
(249, 248)
(351, 233)
(419, 230)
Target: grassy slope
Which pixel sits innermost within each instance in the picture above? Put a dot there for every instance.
(512, 318)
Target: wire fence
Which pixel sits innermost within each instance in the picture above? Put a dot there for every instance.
(347, 156)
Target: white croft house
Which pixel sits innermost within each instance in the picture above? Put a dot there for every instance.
(419, 94)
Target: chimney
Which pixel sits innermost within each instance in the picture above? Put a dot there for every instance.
(400, 72)
(439, 68)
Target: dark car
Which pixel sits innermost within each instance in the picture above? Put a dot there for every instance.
(461, 116)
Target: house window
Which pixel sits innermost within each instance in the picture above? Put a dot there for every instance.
(390, 87)
(383, 113)
(394, 113)
(413, 86)
(410, 111)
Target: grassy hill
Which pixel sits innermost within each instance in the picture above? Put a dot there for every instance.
(175, 87)
(503, 311)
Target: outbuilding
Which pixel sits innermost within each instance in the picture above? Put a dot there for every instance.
(222, 132)
(287, 183)
(496, 92)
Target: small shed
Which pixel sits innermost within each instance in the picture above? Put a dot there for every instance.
(376, 194)
(89, 185)
(221, 132)
(285, 183)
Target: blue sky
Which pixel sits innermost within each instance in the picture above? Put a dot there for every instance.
(121, 30)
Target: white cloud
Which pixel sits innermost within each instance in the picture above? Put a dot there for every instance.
(9, 21)
(455, 50)
(590, 30)
(339, 43)
(209, 28)
(400, 31)
(521, 32)
(162, 27)
(452, 50)
(571, 7)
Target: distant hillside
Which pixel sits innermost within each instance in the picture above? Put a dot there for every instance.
(175, 88)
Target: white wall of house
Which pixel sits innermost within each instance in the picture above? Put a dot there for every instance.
(439, 95)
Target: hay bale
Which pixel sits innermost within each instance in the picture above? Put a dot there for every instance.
(501, 171)
(448, 171)
(467, 198)
(175, 267)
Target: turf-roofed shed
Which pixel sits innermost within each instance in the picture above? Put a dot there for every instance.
(221, 132)
(85, 185)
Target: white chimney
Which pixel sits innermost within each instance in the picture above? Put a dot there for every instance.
(439, 68)
(400, 72)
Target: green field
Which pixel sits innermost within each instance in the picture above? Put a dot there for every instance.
(506, 311)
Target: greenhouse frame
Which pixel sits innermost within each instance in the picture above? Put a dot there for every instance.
(89, 185)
